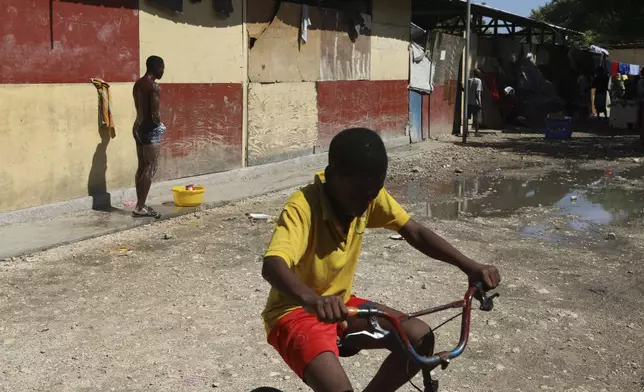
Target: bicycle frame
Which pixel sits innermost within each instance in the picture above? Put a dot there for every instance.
(442, 358)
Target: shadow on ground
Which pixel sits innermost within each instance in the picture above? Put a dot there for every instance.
(582, 145)
(265, 389)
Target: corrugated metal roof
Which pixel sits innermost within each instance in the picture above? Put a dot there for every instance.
(637, 44)
(485, 10)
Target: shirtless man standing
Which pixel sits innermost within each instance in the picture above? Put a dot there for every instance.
(148, 131)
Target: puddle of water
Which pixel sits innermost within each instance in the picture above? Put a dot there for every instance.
(586, 196)
(541, 232)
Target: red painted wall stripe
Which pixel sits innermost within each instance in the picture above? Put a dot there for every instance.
(204, 124)
(380, 105)
(441, 111)
(69, 42)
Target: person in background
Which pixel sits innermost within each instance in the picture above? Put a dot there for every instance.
(600, 84)
(474, 100)
(508, 105)
(148, 131)
(618, 88)
(583, 82)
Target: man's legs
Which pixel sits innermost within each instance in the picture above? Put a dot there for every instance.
(150, 154)
(473, 111)
(397, 369)
(642, 122)
(139, 170)
(476, 121)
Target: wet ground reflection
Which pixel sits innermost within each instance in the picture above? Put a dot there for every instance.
(589, 198)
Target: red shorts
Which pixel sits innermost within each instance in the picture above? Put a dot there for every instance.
(299, 337)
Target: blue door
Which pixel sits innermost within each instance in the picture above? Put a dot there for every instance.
(415, 116)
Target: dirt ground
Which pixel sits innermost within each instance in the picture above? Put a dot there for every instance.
(181, 311)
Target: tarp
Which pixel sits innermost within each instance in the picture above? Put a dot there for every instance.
(598, 50)
(422, 70)
(537, 95)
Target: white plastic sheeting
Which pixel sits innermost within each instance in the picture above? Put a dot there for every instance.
(422, 70)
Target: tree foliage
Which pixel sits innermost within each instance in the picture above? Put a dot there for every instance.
(601, 21)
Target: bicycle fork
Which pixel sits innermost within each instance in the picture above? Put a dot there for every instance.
(429, 384)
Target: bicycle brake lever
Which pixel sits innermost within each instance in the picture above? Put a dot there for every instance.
(487, 303)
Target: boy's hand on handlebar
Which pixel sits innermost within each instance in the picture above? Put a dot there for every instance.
(329, 309)
(489, 275)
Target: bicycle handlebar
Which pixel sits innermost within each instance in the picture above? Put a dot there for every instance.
(441, 358)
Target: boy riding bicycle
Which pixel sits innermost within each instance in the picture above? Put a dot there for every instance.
(311, 261)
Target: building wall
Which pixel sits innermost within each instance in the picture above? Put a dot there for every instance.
(447, 51)
(49, 113)
(299, 94)
(50, 142)
(52, 148)
(442, 107)
(380, 105)
(201, 90)
(79, 42)
(282, 121)
(345, 83)
(630, 56)
(197, 46)
(381, 102)
(204, 122)
(390, 40)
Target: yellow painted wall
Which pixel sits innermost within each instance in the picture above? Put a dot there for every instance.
(197, 46)
(282, 121)
(390, 40)
(278, 56)
(48, 141)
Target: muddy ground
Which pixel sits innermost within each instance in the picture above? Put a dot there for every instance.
(181, 311)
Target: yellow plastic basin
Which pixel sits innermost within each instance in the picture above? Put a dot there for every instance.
(186, 198)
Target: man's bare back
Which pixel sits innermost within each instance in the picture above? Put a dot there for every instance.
(146, 95)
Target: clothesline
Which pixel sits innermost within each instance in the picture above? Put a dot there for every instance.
(615, 67)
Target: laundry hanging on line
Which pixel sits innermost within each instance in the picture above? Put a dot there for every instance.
(306, 23)
(635, 70)
(614, 69)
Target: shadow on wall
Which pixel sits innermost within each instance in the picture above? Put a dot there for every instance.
(224, 13)
(97, 181)
(355, 17)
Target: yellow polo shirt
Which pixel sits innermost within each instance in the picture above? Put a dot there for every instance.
(309, 239)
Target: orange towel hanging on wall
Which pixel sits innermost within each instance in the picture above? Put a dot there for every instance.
(106, 118)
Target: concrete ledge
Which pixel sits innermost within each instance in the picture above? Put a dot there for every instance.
(160, 189)
(396, 142)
